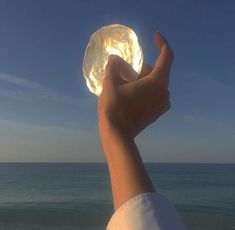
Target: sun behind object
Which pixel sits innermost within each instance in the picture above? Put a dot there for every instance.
(112, 39)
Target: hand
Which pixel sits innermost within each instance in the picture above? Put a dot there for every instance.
(127, 107)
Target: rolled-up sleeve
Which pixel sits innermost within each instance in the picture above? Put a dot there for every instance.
(150, 211)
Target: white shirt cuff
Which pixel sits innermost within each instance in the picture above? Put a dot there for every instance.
(150, 211)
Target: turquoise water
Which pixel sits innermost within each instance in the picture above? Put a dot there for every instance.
(78, 196)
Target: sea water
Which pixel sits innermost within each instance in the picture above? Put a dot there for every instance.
(67, 196)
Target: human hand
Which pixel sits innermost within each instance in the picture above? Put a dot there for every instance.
(127, 107)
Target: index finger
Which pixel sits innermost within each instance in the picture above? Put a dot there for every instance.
(164, 61)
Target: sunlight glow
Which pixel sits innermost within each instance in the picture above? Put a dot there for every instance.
(112, 39)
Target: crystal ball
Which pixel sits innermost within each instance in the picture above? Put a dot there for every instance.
(111, 39)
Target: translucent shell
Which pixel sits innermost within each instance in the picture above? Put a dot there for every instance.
(112, 39)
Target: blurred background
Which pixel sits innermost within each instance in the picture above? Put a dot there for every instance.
(47, 113)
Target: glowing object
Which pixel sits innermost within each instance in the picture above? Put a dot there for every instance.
(112, 39)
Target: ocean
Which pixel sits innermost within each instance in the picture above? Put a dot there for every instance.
(69, 196)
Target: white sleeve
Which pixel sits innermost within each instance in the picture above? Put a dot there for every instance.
(150, 211)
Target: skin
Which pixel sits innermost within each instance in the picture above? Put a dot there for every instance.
(125, 108)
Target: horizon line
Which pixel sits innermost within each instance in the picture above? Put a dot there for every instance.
(103, 162)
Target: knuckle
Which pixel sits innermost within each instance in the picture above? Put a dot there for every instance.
(165, 94)
(168, 106)
(168, 94)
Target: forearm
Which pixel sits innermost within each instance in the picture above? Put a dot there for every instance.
(127, 172)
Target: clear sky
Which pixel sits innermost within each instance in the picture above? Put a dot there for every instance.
(47, 112)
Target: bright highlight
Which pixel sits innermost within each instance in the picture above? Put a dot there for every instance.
(112, 39)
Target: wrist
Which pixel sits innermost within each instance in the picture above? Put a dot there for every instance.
(110, 130)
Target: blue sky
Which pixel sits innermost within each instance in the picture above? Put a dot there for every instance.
(47, 112)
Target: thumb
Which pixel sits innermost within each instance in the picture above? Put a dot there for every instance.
(113, 70)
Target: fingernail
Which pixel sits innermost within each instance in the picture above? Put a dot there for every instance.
(112, 57)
